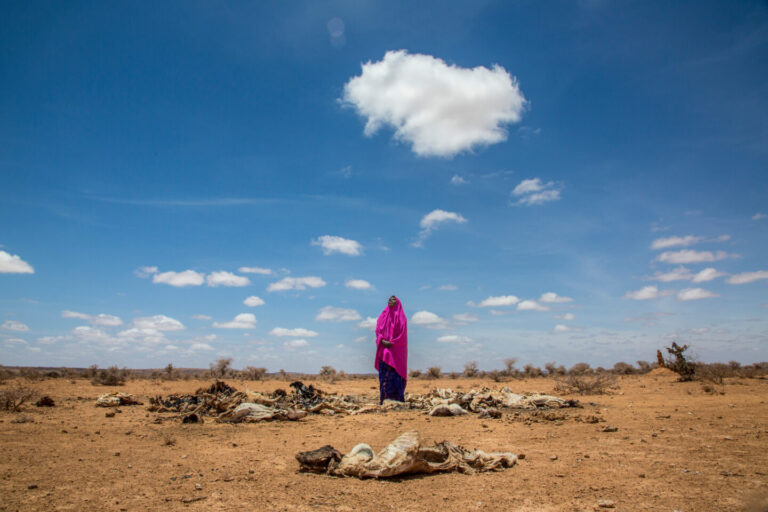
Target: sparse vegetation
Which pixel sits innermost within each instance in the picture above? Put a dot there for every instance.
(112, 376)
(221, 367)
(470, 369)
(580, 369)
(169, 440)
(435, 372)
(414, 374)
(680, 365)
(13, 398)
(328, 374)
(586, 384)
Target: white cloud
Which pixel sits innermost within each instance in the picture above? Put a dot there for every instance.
(448, 288)
(300, 343)
(428, 319)
(644, 293)
(677, 274)
(566, 316)
(202, 317)
(144, 272)
(14, 341)
(533, 191)
(143, 335)
(708, 274)
(336, 244)
(296, 283)
(50, 340)
(553, 298)
(88, 333)
(691, 256)
(159, 322)
(458, 180)
(531, 305)
(180, 279)
(13, 264)
(748, 277)
(433, 220)
(501, 300)
(241, 321)
(454, 338)
(440, 109)
(358, 284)
(74, 314)
(464, 318)
(332, 314)
(298, 332)
(368, 323)
(253, 301)
(673, 241)
(255, 270)
(562, 328)
(12, 325)
(100, 319)
(695, 294)
(759, 216)
(195, 347)
(223, 278)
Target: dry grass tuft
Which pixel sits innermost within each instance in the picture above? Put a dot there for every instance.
(586, 384)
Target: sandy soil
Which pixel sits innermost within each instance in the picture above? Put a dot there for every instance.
(676, 448)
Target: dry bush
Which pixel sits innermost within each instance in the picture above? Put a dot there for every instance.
(552, 369)
(112, 376)
(170, 372)
(169, 440)
(221, 367)
(714, 373)
(30, 373)
(580, 369)
(644, 366)
(497, 376)
(12, 399)
(254, 373)
(622, 368)
(531, 371)
(509, 367)
(328, 374)
(470, 369)
(454, 375)
(435, 372)
(586, 384)
(680, 365)
(414, 374)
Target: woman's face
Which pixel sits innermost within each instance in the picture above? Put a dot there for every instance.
(392, 301)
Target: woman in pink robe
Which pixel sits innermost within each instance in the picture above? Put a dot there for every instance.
(392, 351)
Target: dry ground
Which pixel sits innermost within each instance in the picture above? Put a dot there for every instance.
(676, 448)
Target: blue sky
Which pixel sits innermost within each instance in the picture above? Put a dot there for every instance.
(573, 181)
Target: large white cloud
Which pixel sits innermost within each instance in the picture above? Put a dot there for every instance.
(501, 300)
(358, 284)
(253, 301)
(433, 220)
(297, 332)
(553, 298)
(691, 256)
(179, 279)
(332, 314)
(13, 264)
(331, 244)
(748, 277)
(13, 325)
(296, 283)
(159, 322)
(534, 191)
(440, 109)
(241, 321)
(223, 278)
(695, 294)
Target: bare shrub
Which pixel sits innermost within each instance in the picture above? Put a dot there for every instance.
(169, 440)
(92, 370)
(716, 373)
(13, 398)
(580, 369)
(509, 367)
(414, 374)
(552, 369)
(328, 373)
(497, 376)
(30, 373)
(221, 367)
(254, 373)
(434, 372)
(112, 376)
(454, 375)
(170, 372)
(622, 368)
(680, 365)
(643, 366)
(470, 369)
(586, 384)
(531, 371)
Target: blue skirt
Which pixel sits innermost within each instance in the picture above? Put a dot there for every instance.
(391, 384)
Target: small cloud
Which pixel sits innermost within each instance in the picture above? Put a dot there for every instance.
(296, 283)
(748, 277)
(13, 264)
(344, 172)
(695, 294)
(144, 272)
(691, 256)
(197, 347)
(368, 323)
(677, 274)
(433, 220)
(298, 332)
(255, 270)
(50, 340)
(340, 345)
(531, 305)
(566, 316)
(358, 284)
(759, 216)
(561, 328)
(465, 318)
(673, 241)
(644, 293)
(202, 317)
(453, 338)
(428, 319)
(158, 322)
(534, 191)
(12, 325)
(502, 300)
(253, 301)
(74, 314)
(223, 278)
(335, 244)
(241, 321)
(458, 180)
(332, 314)
(180, 279)
(448, 288)
(336, 32)
(553, 298)
(299, 343)
(361, 339)
(708, 274)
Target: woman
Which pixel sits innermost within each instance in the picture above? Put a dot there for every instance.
(392, 351)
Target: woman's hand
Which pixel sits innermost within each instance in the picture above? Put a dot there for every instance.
(387, 344)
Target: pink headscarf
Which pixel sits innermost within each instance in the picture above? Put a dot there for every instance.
(392, 326)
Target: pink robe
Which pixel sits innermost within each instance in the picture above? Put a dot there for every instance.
(393, 326)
